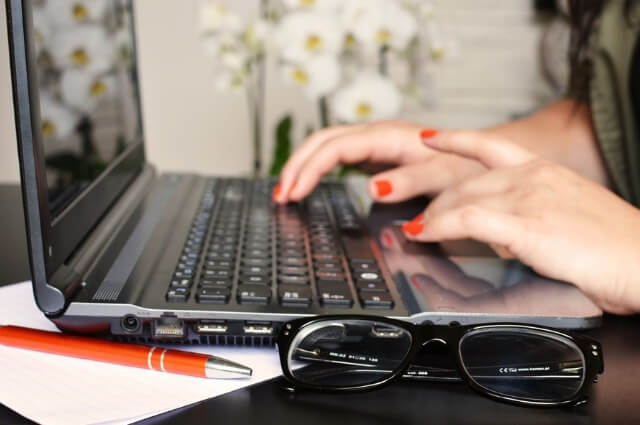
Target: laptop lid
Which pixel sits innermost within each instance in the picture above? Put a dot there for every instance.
(78, 123)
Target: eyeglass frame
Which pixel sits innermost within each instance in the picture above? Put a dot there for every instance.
(451, 336)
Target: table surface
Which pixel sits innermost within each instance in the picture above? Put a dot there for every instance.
(614, 398)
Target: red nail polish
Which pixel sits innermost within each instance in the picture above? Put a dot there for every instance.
(383, 187)
(413, 227)
(276, 192)
(428, 133)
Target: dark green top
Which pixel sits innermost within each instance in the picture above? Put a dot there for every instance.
(613, 113)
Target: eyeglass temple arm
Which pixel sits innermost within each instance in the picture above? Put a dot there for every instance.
(560, 370)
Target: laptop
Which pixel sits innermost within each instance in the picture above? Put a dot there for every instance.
(116, 248)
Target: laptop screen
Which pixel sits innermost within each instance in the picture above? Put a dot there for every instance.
(86, 80)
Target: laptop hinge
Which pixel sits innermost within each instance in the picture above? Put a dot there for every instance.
(104, 238)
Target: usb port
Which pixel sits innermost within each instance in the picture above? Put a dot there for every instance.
(168, 328)
(211, 327)
(258, 328)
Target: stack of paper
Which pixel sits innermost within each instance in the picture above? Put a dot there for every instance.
(53, 389)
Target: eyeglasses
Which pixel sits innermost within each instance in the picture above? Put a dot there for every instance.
(522, 364)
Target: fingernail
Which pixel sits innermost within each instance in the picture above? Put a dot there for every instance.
(414, 226)
(383, 187)
(428, 133)
(276, 192)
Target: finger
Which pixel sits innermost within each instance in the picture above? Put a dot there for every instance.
(492, 151)
(471, 221)
(300, 155)
(425, 178)
(378, 145)
(477, 187)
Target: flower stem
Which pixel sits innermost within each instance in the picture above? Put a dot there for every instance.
(324, 112)
(383, 65)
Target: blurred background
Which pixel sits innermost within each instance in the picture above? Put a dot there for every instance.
(501, 59)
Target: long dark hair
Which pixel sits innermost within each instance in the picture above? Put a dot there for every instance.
(583, 15)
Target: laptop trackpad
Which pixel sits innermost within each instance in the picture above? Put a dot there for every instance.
(466, 281)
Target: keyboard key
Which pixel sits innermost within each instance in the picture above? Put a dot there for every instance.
(334, 294)
(256, 280)
(222, 247)
(294, 270)
(293, 279)
(213, 295)
(294, 295)
(216, 273)
(263, 262)
(325, 257)
(329, 265)
(325, 275)
(216, 282)
(174, 296)
(290, 243)
(379, 300)
(258, 253)
(256, 270)
(254, 294)
(365, 267)
(292, 253)
(219, 264)
(371, 286)
(360, 262)
(220, 255)
(368, 277)
(289, 261)
(181, 283)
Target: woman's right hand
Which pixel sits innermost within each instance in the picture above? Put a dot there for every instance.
(418, 169)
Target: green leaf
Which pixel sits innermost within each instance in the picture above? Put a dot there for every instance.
(282, 148)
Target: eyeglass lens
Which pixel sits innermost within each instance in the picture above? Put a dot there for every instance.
(523, 364)
(347, 353)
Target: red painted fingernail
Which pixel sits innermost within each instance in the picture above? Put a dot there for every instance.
(413, 227)
(428, 133)
(276, 192)
(383, 187)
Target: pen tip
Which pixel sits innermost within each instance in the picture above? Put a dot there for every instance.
(226, 369)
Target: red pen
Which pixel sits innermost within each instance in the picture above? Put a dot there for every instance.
(133, 355)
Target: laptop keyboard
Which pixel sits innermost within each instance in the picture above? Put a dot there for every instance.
(243, 247)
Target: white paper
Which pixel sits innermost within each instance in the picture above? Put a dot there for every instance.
(53, 389)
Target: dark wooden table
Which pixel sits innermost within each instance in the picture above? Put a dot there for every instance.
(615, 400)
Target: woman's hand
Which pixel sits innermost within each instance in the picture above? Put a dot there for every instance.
(396, 143)
(561, 224)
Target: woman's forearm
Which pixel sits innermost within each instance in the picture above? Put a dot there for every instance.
(561, 132)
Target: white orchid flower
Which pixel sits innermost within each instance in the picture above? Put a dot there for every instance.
(66, 13)
(57, 120)
(255, 35)
(440, 46)
(217, 18)
(302, 35)
(41, 28)
(231, 80)
(369, 97)
(380, 23)
(85, 46)
(318, 76)
(322, 6)
(227, 49)
(83, 91)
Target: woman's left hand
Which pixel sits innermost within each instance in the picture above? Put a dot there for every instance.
(562, 225)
